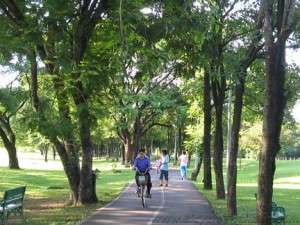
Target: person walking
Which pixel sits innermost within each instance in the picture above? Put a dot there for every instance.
(164, 168)
(183, 160)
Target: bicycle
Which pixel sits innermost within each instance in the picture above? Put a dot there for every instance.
(143, 181)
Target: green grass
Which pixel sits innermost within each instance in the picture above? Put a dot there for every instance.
(47, 193)
(288, 196)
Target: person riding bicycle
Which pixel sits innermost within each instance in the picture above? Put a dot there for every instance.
(142, 166)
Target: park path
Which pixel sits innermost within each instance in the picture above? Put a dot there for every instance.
(179, 204)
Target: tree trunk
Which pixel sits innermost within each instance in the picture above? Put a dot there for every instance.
(196, 171)
(234, 146)
(236, 123)
(218, 90)
(34, 80)
(179, 142)
(46, 153)
(67, 151)
(71, 168)
(207, 133)
(273, 116)
(136, 145)
(87, 193)
(123, 154)
(175, 146)
(8, 138)
(128, 149)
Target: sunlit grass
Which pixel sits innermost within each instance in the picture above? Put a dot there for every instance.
(47, 192)
(287, 174)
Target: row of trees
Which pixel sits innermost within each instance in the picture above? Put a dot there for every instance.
(147, 71)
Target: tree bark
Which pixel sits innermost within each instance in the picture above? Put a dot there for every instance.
(8, 137)
(136, 144)
(275, 44)
(123, 154)
(87, 193)
(218, 89)
(71, 168)
(207, 133)
(234, 145)
(273, 116)
(236, 123)
(196, 171)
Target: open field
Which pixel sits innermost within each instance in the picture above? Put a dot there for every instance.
(47, 192)
(286, 192)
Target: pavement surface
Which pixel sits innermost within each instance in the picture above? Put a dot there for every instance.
(179, 203)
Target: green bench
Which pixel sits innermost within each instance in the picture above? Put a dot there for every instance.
(12, 203)
(278, 214)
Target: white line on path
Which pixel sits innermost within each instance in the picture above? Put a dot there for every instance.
(160, 207)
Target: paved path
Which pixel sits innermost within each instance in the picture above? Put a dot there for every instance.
(178, 204)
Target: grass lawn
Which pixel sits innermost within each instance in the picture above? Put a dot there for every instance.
(286, 193)
(47, 192)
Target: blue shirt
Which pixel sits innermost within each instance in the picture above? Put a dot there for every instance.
(142, 164)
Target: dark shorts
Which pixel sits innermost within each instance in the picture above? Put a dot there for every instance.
(164, 173)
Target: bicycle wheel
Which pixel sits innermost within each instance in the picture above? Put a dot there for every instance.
(143, 196)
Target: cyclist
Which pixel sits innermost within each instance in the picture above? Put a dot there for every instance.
(142, 166)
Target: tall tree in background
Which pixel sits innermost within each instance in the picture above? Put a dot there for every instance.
(11, 101)
(249, 55)
(279, 23)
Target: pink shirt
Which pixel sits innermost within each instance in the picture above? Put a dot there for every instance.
(183, 160)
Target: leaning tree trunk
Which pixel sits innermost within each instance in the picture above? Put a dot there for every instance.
(207, 133)
(196, 171)
(71, 168)
(8, 137)
(253, 49)
(11, 150)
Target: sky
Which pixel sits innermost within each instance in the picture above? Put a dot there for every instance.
(8, 77)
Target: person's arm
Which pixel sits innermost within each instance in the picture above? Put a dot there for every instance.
(148, 165)
(135, 165)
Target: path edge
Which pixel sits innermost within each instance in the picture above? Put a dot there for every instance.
(126, 188)
(222, 222)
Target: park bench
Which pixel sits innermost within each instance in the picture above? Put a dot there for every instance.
(12, 203)
(278, 214)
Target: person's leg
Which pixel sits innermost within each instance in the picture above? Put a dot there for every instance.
(166, 177)
(161, 177)
(137, 182)
(185, 171)
(182, 171)
(149, 183)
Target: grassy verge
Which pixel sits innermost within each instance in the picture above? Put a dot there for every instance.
(286, 193)
(47, 192)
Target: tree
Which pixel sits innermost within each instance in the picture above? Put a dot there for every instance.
(66, 59)
(275, 102)
(11, 101)
(250, 55)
